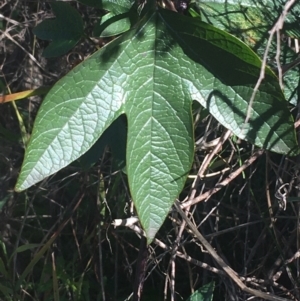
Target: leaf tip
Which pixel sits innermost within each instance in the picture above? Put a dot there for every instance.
(20, 186)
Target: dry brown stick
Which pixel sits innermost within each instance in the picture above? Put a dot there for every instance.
(140, 272)
(276, 28)
(225, 182)
(228, 270)
(28, 53)
(215, 150)
(173, 258)
(203, 265)
(174, 251)
(9, 20)
(188, 258)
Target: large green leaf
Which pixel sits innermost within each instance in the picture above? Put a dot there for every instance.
(251, 21)
(152, 74)
(236, 69)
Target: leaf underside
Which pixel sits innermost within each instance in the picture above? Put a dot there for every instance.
(152, 74)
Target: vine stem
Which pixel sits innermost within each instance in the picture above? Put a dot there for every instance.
(276, 28)
(227, 269)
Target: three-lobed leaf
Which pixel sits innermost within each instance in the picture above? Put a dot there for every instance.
(152, 74)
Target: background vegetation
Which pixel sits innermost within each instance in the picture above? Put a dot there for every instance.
(57, 238)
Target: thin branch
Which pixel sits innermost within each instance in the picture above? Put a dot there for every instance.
(224, 183)
(276, 28)
(228, 270)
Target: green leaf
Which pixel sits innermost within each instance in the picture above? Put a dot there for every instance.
(65, 30)
(152, 74)
(194, 13)
(93, 3)
(4, 200)
(251, 21)
(205, 293)
(6, 291)
(3, 270)
(236, 68)
(291, 22)
(23, 248)
(115, 6)
(118, 6)
(248, 20)
(112, 25)
(26, 247)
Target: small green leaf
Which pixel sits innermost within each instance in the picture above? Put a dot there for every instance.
(65, 30)
(24, 248)
(291, 23)
(205, 293)
(6, 198)
(59, 48)
(112, 25)
(3, 269)
(93, 3)
(115, 6)
(6, 291)
(194, 13)
(118, 6)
